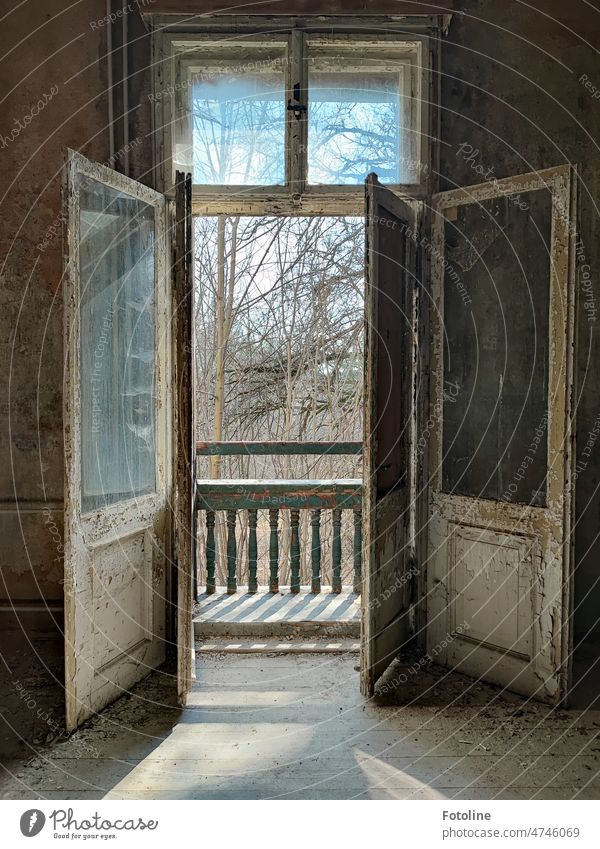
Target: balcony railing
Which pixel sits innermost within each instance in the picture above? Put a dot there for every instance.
(272, 496)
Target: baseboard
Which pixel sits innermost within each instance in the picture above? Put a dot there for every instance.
(31, 617)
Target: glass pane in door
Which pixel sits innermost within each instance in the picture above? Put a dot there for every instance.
(117, 354)
(496, 341)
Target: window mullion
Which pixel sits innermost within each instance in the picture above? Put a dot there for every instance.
(297, 122)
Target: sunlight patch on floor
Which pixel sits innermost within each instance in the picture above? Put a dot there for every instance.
(383, 777)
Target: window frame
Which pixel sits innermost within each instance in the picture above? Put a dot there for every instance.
(416, 38)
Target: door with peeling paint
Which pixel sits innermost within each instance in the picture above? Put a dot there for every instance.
(117, 434)
(388, 510)
(499, 433)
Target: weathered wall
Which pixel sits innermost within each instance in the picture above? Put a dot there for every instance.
(514, 89)
(53, 84)
(51, 57)
(53, 77)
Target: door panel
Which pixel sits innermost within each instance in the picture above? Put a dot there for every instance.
(500, 447)
(391, 276)
(118, 469)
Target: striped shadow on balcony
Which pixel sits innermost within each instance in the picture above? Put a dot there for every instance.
(230, 514)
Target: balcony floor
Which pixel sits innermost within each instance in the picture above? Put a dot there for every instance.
(282, 614)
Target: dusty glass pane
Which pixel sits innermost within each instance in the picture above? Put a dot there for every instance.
(238, 127)
(496, 326)
(353, 126)
(117, 348)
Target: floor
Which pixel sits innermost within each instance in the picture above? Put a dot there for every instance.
(278, 614)
(31, 681)
(279, 725)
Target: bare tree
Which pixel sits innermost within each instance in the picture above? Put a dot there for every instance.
(279, 325)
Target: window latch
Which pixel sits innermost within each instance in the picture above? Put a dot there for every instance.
(295, 105)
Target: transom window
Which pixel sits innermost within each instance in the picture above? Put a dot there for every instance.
(300, 113)
(363, 104)
(232, 108)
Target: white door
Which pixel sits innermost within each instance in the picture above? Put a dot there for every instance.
(388, 510)
(499, 433)
(117, 434)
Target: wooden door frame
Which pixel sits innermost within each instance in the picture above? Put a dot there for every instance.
(184, 450)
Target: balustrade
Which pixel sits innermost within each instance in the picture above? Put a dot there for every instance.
(269, 498)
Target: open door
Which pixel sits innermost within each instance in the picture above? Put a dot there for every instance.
(388, 520)
(499, 431)
(118, 434)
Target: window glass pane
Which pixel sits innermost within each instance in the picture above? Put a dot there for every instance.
(496, 326)
(238, 126)
(117, 345)
(353, 126)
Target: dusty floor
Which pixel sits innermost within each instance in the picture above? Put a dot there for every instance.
(31, 687)
(283, 726)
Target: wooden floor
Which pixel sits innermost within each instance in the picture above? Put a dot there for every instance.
(295, 726)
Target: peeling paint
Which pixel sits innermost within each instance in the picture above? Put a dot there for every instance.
(540, 535)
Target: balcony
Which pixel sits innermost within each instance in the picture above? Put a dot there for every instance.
(278, 558)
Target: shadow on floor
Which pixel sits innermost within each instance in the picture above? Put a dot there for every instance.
(31, 683)
(102, 752)
(296, 727)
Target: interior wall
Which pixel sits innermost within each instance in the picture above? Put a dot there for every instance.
(53, 80)
(520, 92)
(55, 96)
(63, 80)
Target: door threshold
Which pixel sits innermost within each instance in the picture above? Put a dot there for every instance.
(259, 645)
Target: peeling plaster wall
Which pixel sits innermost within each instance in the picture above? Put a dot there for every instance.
(512, 89)
(51, 51)
(31, 450)
(56, 53)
